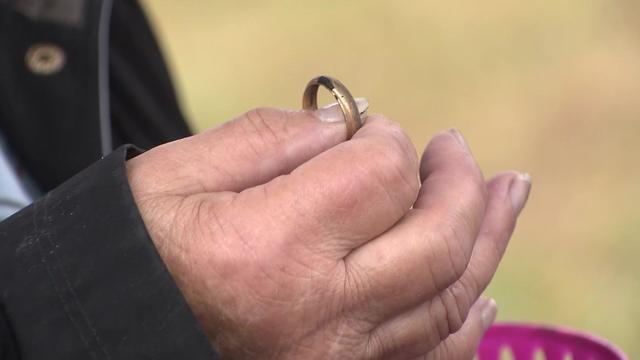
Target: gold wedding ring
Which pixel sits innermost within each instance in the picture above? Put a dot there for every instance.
(343, 96)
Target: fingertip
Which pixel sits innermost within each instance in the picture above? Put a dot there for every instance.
(448, 146)
(457, 135)
(519, 192)
(515, 185)
(449, 135)
(488, 313)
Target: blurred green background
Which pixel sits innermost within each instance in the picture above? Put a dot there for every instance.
(551, 87)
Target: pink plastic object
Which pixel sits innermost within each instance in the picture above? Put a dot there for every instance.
(525, 341)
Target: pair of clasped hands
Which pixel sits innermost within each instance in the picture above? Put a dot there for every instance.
(289, 242)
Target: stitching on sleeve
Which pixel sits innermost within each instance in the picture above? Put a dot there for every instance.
(64, 289)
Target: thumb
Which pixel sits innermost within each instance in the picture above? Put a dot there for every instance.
(245, 152)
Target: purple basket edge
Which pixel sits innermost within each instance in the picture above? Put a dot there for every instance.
(522, 326)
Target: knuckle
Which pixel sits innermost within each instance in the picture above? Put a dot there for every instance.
(457, 351)
(402, 142)
(356, 285)
(383, 343)
(395, 162)
(448, 260)
(462, 233)
(437, 354)
(450, 309)
(394, 135)
(457, 258)
(377, 346)
(461, 301)
(466, 216)
(455, 302)
(263, 127)
(474, 190)
(439, 313)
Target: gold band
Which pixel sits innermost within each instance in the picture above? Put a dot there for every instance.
(343, 96)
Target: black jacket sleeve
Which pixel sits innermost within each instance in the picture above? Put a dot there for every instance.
(81, 279)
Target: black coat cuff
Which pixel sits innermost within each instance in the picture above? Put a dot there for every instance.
(80, 277)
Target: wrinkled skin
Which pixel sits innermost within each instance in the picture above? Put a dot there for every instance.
(289, 242)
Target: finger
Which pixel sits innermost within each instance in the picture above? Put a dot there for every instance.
(250, 150)
(430, 246)
(463, 344)
(509, 193)
(446, 312)
(344, 196)
(466, 340)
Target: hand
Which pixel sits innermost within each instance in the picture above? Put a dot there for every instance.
(290, 243)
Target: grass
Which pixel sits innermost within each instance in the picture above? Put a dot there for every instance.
(550, 87)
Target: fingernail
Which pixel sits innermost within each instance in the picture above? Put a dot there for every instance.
(333, 113)
(489, 312)
(519, 191)
(458, 136)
